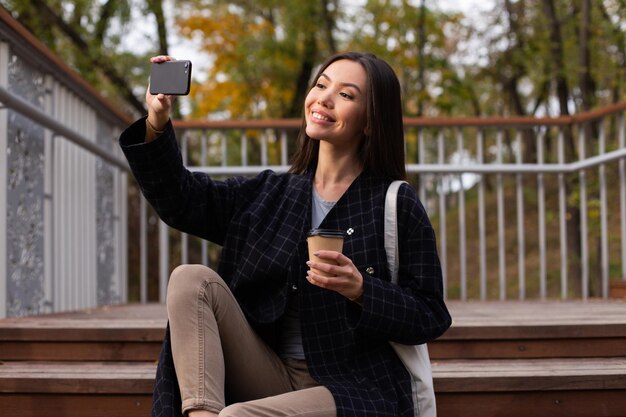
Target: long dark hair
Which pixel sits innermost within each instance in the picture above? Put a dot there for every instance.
(382, 149)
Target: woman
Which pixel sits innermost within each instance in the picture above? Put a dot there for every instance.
(266, 336)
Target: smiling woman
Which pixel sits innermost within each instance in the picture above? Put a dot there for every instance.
(357, 80)
(273, 332)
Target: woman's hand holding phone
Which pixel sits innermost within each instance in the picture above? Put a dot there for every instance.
(159, 106)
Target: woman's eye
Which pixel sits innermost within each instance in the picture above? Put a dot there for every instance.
(346, 96)
(320, 85)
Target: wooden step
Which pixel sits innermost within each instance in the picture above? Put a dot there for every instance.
(112, 333)
(76, 389)
(538, 387)
(480, 330)
(533, 330)
(531, 387)
(499, 358)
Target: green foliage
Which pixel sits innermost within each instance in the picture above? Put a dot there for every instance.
(257, 50)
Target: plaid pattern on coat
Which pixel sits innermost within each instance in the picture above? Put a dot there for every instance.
(262, 223)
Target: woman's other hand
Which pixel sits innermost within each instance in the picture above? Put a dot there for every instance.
(159, 106)
(343, 278)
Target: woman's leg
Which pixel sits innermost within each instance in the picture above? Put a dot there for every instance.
(214, 348)
(308, 398)
(309, 402)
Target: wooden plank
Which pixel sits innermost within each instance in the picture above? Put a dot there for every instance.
(446, 348)
(85, 405)
(491, 375)
(96, 334)
(80, 351)
(608, 403)
(77, 377)
(137, 322)
(536, 319)
(539, 313)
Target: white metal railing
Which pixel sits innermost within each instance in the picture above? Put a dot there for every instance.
(523, 208)
(515, 216)
(63, 191)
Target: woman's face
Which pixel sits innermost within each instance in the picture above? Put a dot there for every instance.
(335, 108)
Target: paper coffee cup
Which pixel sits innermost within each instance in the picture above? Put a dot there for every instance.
(324, 239)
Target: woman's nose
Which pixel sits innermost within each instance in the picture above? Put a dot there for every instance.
(325, 100)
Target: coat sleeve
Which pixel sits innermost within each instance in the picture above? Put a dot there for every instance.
(412, 311)
(188, 201)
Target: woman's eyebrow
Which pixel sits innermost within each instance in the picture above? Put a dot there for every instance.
(356, 87)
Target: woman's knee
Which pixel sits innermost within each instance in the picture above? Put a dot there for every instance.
(186, 280)
(235, 410)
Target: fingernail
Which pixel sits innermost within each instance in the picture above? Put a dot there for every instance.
(308, 263)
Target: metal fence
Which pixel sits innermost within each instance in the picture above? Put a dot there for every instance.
(63, 208)
(524, 208)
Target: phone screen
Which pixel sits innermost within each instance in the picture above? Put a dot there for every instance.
(171, 77)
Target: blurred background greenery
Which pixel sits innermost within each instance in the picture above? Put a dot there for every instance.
(254, 58)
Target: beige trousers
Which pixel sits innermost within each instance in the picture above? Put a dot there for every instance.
(219, 358)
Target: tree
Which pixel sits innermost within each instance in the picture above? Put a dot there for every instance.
(417, 41)
(263, 53)
(80, 32)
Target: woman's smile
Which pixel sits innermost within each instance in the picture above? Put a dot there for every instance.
(322, 117)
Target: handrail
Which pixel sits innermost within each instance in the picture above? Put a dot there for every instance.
(512, 168)
(35, 50)
(27, 109)
(494, 121)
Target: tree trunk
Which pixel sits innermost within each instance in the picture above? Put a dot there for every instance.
(156, 8)
(329, 25)
(586, 82)
(421, 67)
(309, 56)
(556, 54)
(511, 83)
(620, 36)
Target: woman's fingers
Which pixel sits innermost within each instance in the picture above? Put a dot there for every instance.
(343, 277)
(161, 58)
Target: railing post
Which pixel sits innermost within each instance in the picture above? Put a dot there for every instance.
(443, 253)
(204, 161)
(48, 200)
(541, 210)
(563, 218)
(604, 228)
(143, 249)
(622, 191)
(583, 218)
(4, 82)
(501, 219)
(521, 232)
(482, 228)
(164, 260)
(462, 217)
(184, 237)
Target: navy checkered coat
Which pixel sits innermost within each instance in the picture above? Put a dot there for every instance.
(262, 223)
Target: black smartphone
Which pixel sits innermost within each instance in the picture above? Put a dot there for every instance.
(170, 77)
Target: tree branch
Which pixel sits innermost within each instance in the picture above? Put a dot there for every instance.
(96, 58)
